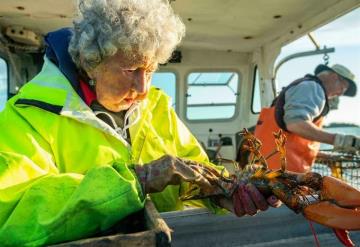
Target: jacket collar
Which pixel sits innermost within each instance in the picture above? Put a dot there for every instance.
(57, 44)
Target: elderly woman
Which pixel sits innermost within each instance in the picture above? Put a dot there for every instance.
(87, 138)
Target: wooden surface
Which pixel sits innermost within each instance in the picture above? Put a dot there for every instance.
(156, 233)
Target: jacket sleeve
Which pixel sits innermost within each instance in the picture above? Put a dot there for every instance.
(53, 208)
(304, 102)
(39, 205)
(165, 134)
(188, 147)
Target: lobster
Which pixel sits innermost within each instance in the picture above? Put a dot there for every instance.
(323, 199)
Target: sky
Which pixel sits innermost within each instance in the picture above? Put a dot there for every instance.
(344, 35)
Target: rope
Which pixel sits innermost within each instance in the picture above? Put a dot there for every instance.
(314, 234)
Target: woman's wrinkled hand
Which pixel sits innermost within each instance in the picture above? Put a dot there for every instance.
(274, 201)
(247, 200)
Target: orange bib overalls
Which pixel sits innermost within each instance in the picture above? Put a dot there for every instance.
(300, 152)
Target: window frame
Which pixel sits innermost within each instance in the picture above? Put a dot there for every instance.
(255, 70)
(7, 78)
(212, 70)
(177, 86)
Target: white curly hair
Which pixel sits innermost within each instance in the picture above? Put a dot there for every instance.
(138, 28)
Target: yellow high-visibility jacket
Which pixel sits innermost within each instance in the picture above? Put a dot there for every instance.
(65, 174)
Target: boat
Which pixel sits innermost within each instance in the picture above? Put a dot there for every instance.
(223, 72)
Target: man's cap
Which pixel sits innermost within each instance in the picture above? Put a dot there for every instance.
(343, 72)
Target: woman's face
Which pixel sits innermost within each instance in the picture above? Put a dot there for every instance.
(120, 82)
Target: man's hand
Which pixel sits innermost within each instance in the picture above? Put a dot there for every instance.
(346, 143)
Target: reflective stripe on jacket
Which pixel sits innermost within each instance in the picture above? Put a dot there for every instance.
(65, 174)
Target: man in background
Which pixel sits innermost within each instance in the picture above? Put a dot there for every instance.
(299, 110)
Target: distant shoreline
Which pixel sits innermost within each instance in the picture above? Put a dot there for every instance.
(332, 125)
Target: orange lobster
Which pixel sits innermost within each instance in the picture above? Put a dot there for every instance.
(322, 199)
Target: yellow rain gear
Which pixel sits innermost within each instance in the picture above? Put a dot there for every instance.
(65, 174)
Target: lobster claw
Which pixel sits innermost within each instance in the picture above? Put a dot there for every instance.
(339, 205)
(338, 208)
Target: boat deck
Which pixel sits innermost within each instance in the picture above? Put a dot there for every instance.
(274, 227)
